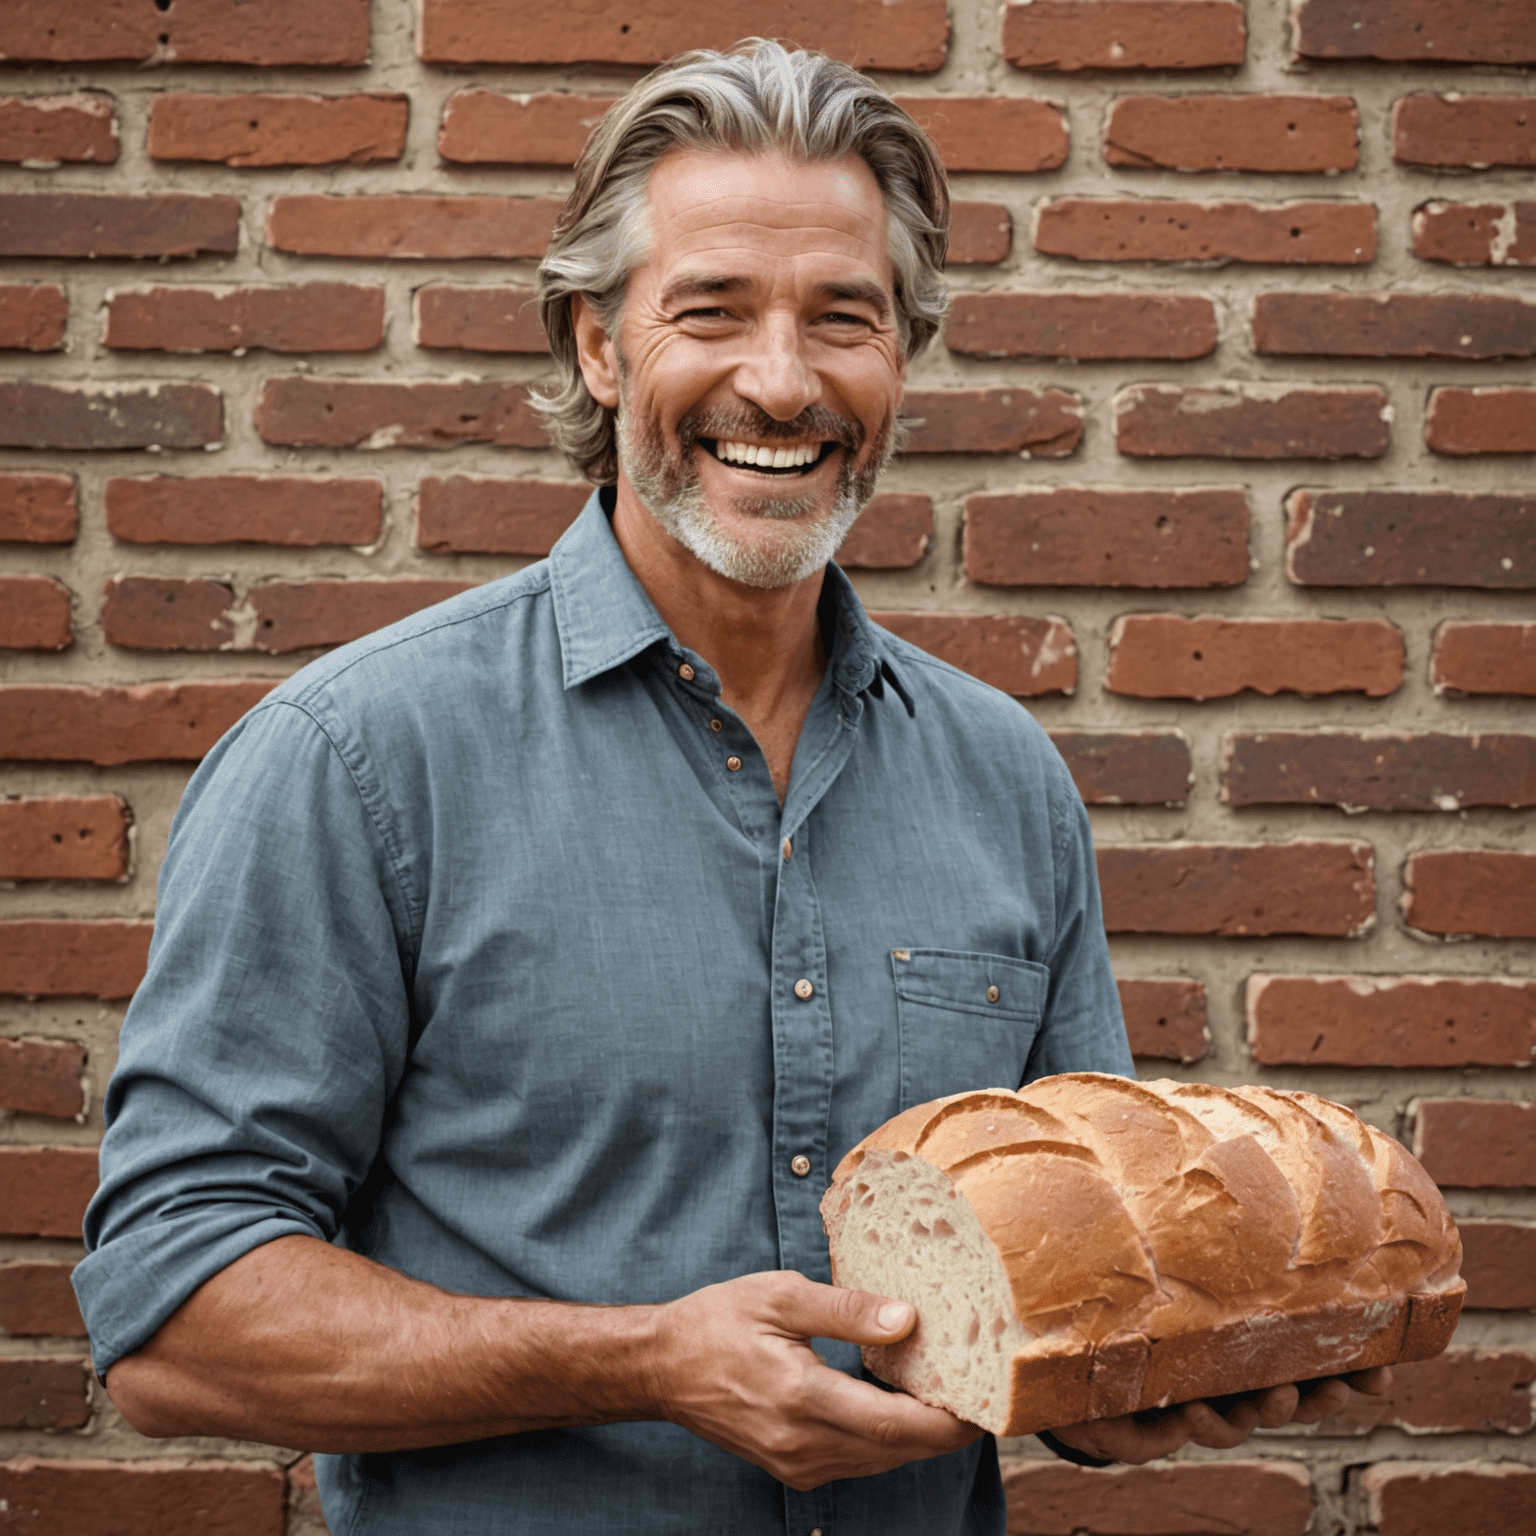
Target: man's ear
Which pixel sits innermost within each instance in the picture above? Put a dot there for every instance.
(595, 353)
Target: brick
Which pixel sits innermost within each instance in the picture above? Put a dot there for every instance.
(1378, 770)
(980, 234)
(893, 533)
(32, 317)
(36, 31)
(1258, 1498)
(1476, 234)
(1252, 421)
(1234, 133)
(1490, 420)
(1498, 1262)
(38, 1393)
(42, 1077)
(479, 319)
(246, 130)
(102, 224)
(1486, 891)
(1127, 767)
(1417, 31)
(1086, 327)
(483, 127)
(37, 1300)
(166, 613)
(1472, 132)
(149, 722)
(64, 837)
(1393, 325)
(1410, 539)
(110, 416)
(1166, 656)
(1476, 1391)
(303, 317)
(1160, 229)
(305, 1517)
(34, 614)
(412, 225)
(1414, 1498)
(992, 133)
(1023, 656)
(347, 413)
(1476, 1143)
(123, 1498)
(475, 514)
(1165, 1020)
(48, 130)
(44, 1190)
(1484, 658)
(1123, 34)
(907, 35)
(296, 615)
(1041, 424)
(294, 510)
(1238, 889)
(37, 509)
(1079, 536)
(1391, 1021)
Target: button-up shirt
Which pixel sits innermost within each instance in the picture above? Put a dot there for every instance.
(485, 949)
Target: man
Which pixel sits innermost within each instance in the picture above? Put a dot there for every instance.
(523, 970)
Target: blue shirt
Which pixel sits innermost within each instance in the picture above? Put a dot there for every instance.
(476, 954)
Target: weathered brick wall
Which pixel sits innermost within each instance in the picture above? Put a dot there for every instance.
(1223, 464)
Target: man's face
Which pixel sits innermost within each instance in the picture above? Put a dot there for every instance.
(759, 364)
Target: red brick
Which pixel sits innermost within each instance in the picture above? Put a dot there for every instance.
(295, 615)
(166, 613)
(1234, 133)
(38, 1393)
(64, 837)
(1378, 770)
(1127, 767)
(1476, 234)
(149, 722)
(127, 1498)
(306, 317)
(1417, 31)
(1087, 327)
(893, 533)
(1415, 1498)
(1040, 424)
(1410, 539)
(1391, 1021)
(1491, 420)
(34, 614)
(1022, 656)
(1078, 536)
(44, 1190)
(992, 133)
(36, 1299)
(305, 1517)
(1238, 889)
(1465, 131)
(1476, 1143)
(1484, 658)
(348, 413)
(1123, 34)
(1393, 325)
(48, 130)
(38, 31)
(1498, 1262)
(412, 225)
(1165, 1020)
(1258, 1498)
(980, 234)
(1476, 1391)
(293, 510)
(37, 509)
(909, 35)
(110, 416)
(32, 317)
(1485, 891)
(483, 127)
(1159, 229)
(479, 319)
(1166, 656)
(1252, 421)
(42, 1077)
(253, 130)
(476, 515)
(100, 224)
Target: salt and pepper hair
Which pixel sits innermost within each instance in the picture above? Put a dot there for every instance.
(757, 98)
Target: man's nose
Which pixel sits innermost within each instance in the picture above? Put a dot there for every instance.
(776, 374)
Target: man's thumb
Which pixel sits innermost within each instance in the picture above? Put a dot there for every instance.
(862, 1317)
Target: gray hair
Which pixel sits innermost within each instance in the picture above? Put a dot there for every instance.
(759, 97)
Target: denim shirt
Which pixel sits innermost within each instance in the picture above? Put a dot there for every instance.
(482, 950)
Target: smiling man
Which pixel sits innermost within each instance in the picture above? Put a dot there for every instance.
(522, 971)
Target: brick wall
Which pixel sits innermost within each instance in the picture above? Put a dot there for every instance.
(1223, 464)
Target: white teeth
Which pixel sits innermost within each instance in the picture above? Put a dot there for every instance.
(766, 457)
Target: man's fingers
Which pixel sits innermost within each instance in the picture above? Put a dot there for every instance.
(1376, 1382)
(817, 1311)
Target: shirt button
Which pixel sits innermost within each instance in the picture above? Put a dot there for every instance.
(717, 725)
(993, 994)
(786, 848)
(800, 1165)
(685, 672)
(733, 763)
(803, 989)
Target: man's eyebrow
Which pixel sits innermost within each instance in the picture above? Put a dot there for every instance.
(701, 285)
(851, 290)
(857, 290)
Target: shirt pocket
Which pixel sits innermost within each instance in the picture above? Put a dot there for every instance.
(966, 1020)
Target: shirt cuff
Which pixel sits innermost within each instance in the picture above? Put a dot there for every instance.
(1069, 1452)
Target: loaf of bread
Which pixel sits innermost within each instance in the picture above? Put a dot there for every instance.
(1089, 1246)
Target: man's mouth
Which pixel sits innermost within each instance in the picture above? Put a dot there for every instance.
(769, 458)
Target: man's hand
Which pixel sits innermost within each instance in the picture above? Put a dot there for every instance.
(1130, 1439)
(734, 1365)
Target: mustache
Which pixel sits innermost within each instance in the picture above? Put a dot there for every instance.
(815, 423)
